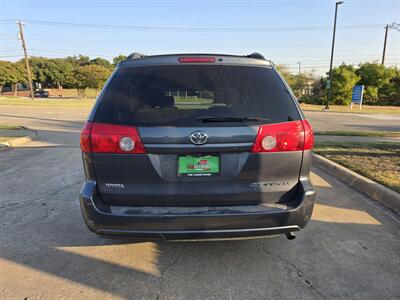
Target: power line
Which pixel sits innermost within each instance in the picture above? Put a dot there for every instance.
(16, 55)
(175, 28)
(108, 42)
(325, 66)
(211, 1)
(295, 56)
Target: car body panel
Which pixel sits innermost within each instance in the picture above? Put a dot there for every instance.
(142, 195)
(199, 222)
(244, 179)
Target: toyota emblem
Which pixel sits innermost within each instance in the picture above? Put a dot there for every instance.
(198, 138)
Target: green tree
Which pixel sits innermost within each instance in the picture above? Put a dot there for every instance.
(344, 78)
(389, 93)
(7, 73)
(118, 59)
(52, 72)
(12, 73)
(301, 85)
(394, 95)
(319, 91)
(374, 77)
(82, 60)
(370, 95)
(90, 76)
(42, 69)
(285, 73)
(101, 62)
(62, 73)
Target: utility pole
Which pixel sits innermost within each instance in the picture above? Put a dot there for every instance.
(330, 66)
(387, 27)
(299, 63)
(384, 44)
(28, 69)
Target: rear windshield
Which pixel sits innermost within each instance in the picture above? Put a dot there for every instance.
(196, 95)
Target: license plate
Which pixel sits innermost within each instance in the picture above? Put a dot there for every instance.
(198, 165)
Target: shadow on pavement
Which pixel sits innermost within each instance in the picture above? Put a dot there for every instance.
(350, 251)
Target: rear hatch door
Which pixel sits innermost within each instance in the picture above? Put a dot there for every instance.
(198, 124)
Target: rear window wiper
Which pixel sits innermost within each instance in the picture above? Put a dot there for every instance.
(231, 119)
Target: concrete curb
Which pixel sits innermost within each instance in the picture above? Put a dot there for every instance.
(19, 141)
(376, 191)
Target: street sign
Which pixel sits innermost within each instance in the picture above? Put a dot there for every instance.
(357, 95)
(328, 84)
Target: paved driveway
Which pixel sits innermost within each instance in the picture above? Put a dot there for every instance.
(350, 249)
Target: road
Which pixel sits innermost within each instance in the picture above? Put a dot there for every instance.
(350, 249)
(330, 121)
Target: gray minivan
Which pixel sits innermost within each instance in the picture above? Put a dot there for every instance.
(196, 146)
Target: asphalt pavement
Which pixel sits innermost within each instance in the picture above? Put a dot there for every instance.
(332, 121)
(350, 249)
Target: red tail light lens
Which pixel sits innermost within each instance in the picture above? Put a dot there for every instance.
(85, 137)
(196, 59)
(288, 136)
(308, 135)
(107, 138)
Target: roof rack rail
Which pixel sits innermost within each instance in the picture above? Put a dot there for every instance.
(256, 55)
(135, 55)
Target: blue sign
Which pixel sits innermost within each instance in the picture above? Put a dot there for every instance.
(357, 96)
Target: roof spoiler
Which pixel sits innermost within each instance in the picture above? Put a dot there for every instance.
(256, 55)
(135, 55)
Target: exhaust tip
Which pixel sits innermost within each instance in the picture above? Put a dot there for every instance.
(290, 236)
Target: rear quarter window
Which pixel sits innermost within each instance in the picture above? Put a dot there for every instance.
(180, 95)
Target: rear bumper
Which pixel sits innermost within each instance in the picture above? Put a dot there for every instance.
(196, 222)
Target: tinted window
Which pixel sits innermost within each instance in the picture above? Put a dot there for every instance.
(180, 95)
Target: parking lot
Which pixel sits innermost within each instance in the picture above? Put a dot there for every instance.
(350, 249)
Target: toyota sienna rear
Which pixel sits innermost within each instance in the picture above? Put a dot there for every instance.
(196, 146)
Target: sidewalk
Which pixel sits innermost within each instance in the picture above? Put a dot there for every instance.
(14, 137)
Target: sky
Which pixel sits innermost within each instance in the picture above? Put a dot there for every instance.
(287, 32)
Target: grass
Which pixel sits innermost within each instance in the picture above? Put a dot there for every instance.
(366, 109)
(19, 101)
(9, 127)
(377, 161)
(72, 93)
(360, 133)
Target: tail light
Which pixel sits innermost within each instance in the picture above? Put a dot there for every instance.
(308, 135)
(196, 59)
(281, 137)
(85, 137)
(107, 138)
